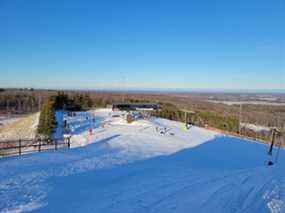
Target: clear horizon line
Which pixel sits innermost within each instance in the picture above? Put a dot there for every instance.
(210, 90)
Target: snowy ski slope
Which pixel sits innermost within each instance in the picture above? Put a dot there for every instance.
(124, 168)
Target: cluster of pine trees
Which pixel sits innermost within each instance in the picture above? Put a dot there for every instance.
(47, 122)
(83, 101)
(61, 101)
(77, 102)
(169, 111)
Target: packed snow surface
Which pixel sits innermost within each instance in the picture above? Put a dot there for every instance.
(147, 166)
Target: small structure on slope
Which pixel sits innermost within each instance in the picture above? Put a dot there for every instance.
(135, 106)
(136, 110)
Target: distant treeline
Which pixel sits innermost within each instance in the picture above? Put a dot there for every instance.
(26, 101)
(20, 102)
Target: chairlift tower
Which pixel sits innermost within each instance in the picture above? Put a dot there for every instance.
(275, 132)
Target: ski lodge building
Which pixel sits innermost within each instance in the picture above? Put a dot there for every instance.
(135, 106)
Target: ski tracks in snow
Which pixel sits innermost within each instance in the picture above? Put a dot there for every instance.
(274, 194)
(141, 176)
(239, 191)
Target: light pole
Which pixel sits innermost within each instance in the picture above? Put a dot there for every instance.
(240, 117)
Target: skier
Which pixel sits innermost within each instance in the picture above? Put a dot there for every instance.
(90, 132)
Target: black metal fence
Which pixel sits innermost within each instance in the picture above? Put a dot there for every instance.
(24, 146)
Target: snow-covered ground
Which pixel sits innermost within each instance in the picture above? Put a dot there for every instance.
(24, 127)
(266, 103)
(125, 168)
(254, 127)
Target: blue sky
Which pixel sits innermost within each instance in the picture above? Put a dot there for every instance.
(206, 44)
